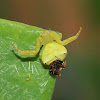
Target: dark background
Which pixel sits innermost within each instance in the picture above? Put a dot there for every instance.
(81, 78)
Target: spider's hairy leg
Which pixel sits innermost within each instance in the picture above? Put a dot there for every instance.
(69, 40)
(30, 52)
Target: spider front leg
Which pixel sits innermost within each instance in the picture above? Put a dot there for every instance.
(30, 52)
(69, 40)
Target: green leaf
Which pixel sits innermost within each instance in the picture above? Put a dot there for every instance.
(22, 78)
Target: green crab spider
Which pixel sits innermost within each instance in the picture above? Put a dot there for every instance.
(53, 47)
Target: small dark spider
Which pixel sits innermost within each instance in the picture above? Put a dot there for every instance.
(56, 66)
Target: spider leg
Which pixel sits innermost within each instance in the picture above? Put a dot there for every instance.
(29, 52)
(67, 41)
(71, 39)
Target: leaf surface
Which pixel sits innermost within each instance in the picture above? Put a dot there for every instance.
(22, 78)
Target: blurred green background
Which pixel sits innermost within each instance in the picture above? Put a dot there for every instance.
(81, 78)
